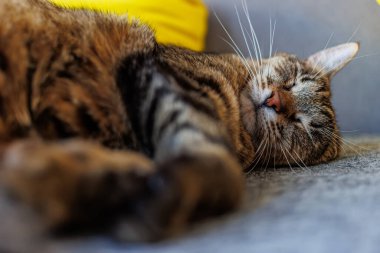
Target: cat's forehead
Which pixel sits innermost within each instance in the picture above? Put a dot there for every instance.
(284, 60)
(283, 66)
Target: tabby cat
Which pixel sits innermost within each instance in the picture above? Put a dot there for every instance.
(103, 127)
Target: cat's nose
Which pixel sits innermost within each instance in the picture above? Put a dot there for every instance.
(274, 101)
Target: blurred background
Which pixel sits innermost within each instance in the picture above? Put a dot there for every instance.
(304, 27)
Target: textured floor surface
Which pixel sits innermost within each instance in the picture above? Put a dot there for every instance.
(326, 208)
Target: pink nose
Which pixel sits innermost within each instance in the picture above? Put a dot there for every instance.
(274, 101)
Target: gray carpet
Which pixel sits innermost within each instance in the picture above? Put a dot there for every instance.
(326, 208)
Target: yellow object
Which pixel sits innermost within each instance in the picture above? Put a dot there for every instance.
(179, 22)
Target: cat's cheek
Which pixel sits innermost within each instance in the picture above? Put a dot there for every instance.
(250, 122)
(248, 114)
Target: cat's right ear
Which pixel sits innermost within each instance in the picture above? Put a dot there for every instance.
(333, 59)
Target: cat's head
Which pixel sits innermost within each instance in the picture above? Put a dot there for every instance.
(292, 120)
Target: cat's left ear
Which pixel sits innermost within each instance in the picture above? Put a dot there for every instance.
(333, 59)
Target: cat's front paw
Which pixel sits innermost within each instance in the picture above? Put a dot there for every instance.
(74, 182)
(183, 190)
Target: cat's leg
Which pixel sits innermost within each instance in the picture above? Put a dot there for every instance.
(197, 172)
(186, 188)
(78, 184)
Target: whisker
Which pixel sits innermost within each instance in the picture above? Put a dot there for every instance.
(286, 158)
(272, 39)
(366, 55)
(256, 162)
(234, 46)
(270, 152)
(328, 41)
(256, 64)
(274, 144)
(245, 9)
(256, 46)
(259, 156)
(239, 53)
(326, 45)
(261, 153)
(337, 138)
(317, 75)
(354, 33)
(270, 36)
(303, 166)
(244, 36)
(349, 131)
(344, 140)
(229, 35)
(258, 151)
(309, 134)
(347, 143)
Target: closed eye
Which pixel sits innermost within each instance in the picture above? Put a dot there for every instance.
(314, 124)
(306, 79)
(289, 87)
(295, 118)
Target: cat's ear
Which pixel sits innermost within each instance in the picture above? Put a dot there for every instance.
(333, 59)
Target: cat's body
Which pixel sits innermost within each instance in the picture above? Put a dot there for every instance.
(196, 120)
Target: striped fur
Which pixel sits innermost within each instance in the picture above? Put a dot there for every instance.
(156, 136)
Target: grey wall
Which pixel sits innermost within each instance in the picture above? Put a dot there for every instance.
(304, 27)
